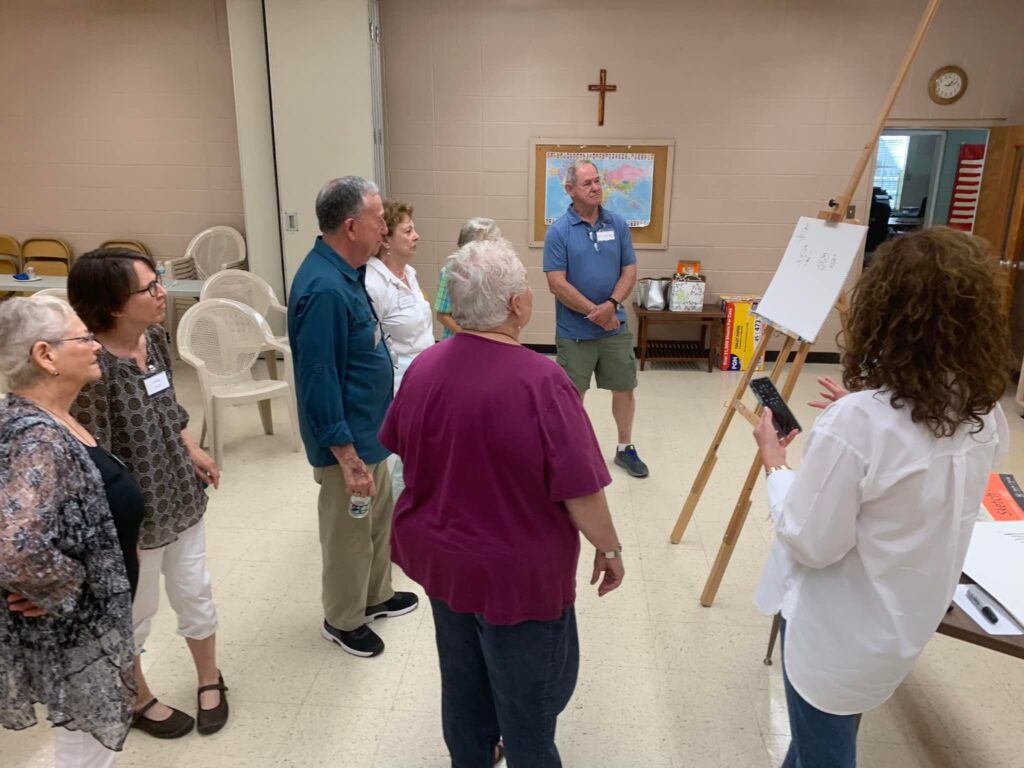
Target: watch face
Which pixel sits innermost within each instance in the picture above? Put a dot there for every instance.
(948, 85)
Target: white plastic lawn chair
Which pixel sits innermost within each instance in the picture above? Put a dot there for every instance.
(253, 291)
(222, 340)
(215, 249)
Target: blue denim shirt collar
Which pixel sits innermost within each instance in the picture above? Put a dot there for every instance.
(332, 257)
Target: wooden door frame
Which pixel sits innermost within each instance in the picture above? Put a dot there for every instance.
(1000, 226)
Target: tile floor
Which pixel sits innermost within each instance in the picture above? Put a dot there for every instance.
(664, 682)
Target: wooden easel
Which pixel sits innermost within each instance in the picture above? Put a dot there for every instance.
(837, 212)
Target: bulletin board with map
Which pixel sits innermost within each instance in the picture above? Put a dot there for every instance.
(636, 176)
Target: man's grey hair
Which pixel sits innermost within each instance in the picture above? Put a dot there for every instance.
(23, 322)
(574, 166)
(482, 276)
(478, 229)
(342, 199)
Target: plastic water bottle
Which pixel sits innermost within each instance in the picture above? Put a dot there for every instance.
(360, 506)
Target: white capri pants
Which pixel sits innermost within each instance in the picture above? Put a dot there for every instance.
(186, 581)
(78, 749)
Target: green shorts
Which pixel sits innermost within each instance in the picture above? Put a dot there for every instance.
(611, 360)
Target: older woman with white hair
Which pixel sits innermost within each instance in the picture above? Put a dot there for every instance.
(69, 522)
(503, 473)
(477, 228)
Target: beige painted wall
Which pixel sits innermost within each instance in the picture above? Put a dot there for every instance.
(117, 120)
(769, 102)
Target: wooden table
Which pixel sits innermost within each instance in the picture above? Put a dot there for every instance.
(710, 320)
(959, 625)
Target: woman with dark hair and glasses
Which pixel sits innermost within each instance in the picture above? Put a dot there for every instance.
(69, 522)
(134, 413)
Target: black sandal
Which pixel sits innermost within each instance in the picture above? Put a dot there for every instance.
(174, 727)
(212, 720)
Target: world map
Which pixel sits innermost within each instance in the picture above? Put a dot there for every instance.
(627, 179)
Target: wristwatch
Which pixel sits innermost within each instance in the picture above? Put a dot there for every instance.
(617, 552)
(615, 302)
(769, 471)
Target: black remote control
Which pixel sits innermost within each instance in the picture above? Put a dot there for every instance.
(768, 396)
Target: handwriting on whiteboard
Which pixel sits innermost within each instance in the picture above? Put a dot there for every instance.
(823, 260)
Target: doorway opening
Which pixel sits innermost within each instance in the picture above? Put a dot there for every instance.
(924, 178)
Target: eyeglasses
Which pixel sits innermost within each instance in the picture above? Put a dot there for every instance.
(151, 289)
(89, 338)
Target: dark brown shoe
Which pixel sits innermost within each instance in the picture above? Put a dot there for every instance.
(174, 727)
(212, 720)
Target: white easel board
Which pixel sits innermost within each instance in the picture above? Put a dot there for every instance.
(811, 275)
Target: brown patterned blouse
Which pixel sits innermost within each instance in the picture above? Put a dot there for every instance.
(144, 431)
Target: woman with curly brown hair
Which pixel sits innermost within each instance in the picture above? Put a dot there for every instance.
(872, 532)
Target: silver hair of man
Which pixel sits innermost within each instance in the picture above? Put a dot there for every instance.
(342, 199)
(23, 322)
(478, 229)
(574, 166)
(483, 276)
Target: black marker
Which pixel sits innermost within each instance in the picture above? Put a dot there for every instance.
(987, 612)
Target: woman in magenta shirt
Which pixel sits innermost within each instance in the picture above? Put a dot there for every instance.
(503, 473)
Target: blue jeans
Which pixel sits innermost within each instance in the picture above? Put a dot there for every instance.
(819, 740)
(507, 682)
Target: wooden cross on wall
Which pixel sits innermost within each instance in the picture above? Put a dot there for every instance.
(602, 88)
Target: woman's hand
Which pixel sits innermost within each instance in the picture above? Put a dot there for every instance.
(612, 569)
(833, 392)
(19, 604)
(206, 468)
(773, 450)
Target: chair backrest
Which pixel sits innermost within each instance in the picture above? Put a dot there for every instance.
(9, 246)
(48, 267)
(9, 265)
(60, 293)
(215, 249)
(241, 286)
(131, 245)
(222, 339)
(46, 248)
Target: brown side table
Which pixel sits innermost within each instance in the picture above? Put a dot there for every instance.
(710, 320)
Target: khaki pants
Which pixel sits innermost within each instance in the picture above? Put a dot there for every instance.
(356, 553)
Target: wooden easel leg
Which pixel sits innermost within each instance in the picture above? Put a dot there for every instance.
(772, 637)
(711, 457)
(739, 514)
(732, 534)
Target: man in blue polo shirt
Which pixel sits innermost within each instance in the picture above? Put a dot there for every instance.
(344, 378)
(591, 269)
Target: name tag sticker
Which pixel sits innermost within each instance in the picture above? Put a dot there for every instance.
(406, 302)
(604, 235)
(156, 383)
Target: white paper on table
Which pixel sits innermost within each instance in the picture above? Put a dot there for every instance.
(1005, 626)
(995, 559)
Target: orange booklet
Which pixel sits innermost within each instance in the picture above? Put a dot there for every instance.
(1003, 498)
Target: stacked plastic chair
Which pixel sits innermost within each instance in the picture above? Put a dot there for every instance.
(222, 340)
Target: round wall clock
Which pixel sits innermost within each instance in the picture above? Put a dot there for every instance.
(947, 85)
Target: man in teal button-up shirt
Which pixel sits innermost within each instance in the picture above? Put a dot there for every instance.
(344, 378)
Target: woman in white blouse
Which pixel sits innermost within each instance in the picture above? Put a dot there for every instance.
(872, 532)
(403, 310)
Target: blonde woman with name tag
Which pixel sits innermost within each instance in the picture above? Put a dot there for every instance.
(401, 307)
(134, 413)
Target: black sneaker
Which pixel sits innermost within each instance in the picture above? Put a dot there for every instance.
(399, 605)
(359, 642)
(630, 461)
